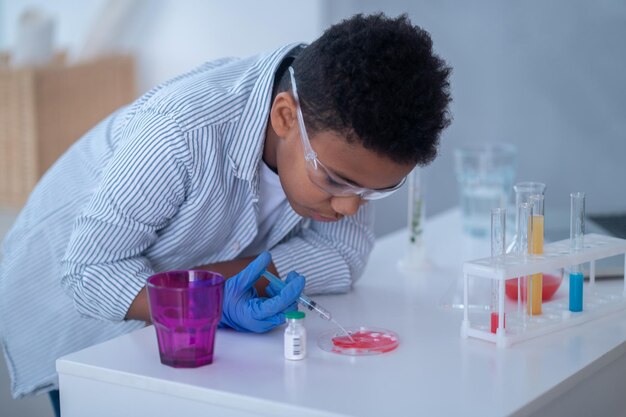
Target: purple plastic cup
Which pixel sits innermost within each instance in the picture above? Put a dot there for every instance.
(186, 308)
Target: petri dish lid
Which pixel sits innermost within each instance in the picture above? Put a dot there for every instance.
(366, 340)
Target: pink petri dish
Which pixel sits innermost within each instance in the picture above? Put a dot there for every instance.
(364, 340)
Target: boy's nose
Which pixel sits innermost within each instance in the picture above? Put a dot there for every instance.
(347, 205)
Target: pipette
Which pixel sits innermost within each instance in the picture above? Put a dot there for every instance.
(307, 302)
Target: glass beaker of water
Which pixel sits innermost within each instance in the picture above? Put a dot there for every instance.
(485, 174)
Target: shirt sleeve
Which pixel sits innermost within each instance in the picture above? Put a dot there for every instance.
(331, 256)
(142, 188)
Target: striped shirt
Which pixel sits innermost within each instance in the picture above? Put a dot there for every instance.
(168, 182)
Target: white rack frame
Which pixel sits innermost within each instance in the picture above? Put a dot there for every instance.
(556, 255)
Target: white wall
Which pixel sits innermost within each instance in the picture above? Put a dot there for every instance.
(169, 37)
(549, 77)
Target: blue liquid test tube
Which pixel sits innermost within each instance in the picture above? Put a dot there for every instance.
(303, 299)
(577, 236)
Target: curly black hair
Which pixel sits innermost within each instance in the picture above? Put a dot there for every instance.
(375, 80)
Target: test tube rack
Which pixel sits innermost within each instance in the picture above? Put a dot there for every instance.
(556, 315)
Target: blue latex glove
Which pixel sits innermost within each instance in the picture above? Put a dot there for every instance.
(244, 310)
(273, 289)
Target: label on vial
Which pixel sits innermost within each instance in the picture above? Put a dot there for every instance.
(295, 347)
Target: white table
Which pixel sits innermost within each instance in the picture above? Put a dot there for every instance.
(578, 371)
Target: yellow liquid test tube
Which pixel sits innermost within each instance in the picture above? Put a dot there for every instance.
(535, 287)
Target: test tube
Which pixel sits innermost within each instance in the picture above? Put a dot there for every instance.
(416, 209)
(498, 239)
(415, 256)
(576, 237)
(524, 218)
(523, 190)
(535, 247)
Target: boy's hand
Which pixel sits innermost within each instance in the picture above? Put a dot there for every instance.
(243, 310)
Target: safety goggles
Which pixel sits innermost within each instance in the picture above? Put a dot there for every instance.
(323, 177)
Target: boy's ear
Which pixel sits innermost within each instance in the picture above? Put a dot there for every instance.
(283, 114)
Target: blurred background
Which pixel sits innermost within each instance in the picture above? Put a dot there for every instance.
(548, 77)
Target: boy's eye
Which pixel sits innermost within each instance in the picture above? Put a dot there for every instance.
(331, 181)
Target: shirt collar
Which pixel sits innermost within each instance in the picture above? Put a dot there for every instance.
(245, 152)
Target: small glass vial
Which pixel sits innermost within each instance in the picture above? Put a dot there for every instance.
(295, 336)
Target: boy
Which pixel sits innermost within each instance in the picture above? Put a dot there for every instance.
(278, 152)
